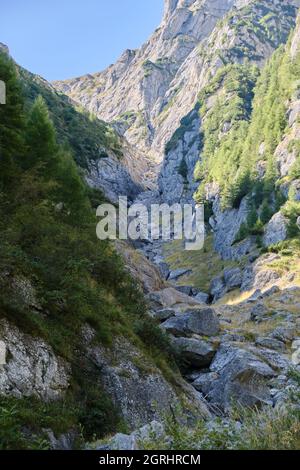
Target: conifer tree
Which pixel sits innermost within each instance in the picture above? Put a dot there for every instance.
(12, 122)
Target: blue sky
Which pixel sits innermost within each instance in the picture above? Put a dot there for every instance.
(65, 38)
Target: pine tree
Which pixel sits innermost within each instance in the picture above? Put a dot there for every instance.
(12, 123)
(41, 140)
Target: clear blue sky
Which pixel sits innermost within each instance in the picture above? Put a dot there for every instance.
(65, 38)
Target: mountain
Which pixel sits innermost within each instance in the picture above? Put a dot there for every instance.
(148, 91)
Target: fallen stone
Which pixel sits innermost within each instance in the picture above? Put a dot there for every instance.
(184, 289)
(169, 297)
(202, 297)
(270, 343)
(217, 288)
(194, 352)
(284, 333)
(276, 230)
(175, 275)
(242, 378)
(258, 312)
(233, 278)
(203, 382)
(163, 314)
(201, 322)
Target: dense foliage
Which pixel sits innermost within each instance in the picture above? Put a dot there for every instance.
(49, 245)
(245, 118)
(88, 137)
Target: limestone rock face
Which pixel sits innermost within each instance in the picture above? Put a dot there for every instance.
(137, 389)
(149, 90)
(32, 369)
(276, 230)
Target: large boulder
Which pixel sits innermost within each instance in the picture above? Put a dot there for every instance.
(242, 378)
(202, 321)
(194, 352)
(233, 278)
(171, 297)
(276, 230)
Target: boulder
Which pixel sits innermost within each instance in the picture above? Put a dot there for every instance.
(270, 292)
(133, 441)
(285, 333)
(163, 314)
(164, 270)
(202, 321)
(258, 312)
(202, 297)
(255, 296)
(136, 387)
(233, 278)
(194, 352)
(242, 378)
(276, 230)
(277, 361)
(270, 343)
(217, 288)
(170, 297)
(175, 275)
(203, 382)
(184, 289)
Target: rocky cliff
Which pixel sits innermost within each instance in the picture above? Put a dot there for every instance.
(149, 90)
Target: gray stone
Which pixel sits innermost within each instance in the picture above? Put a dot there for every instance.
(233, 278)
(255, 296)
(284, 333)
(270, 292)
(270, 343)
(175, 275)
(203, 382)
(163, 314)
(194, 352)
(199, 321)
(136, 386)
(202, 297)
(164, 270)
(276, 230)
(184, 289)
(258, 312)
(242, 378)
(217, 288)
(274, 359)
(133, 441)
(294, 191)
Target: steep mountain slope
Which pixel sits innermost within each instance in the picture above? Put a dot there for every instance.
(81, 358)
(148, 91)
